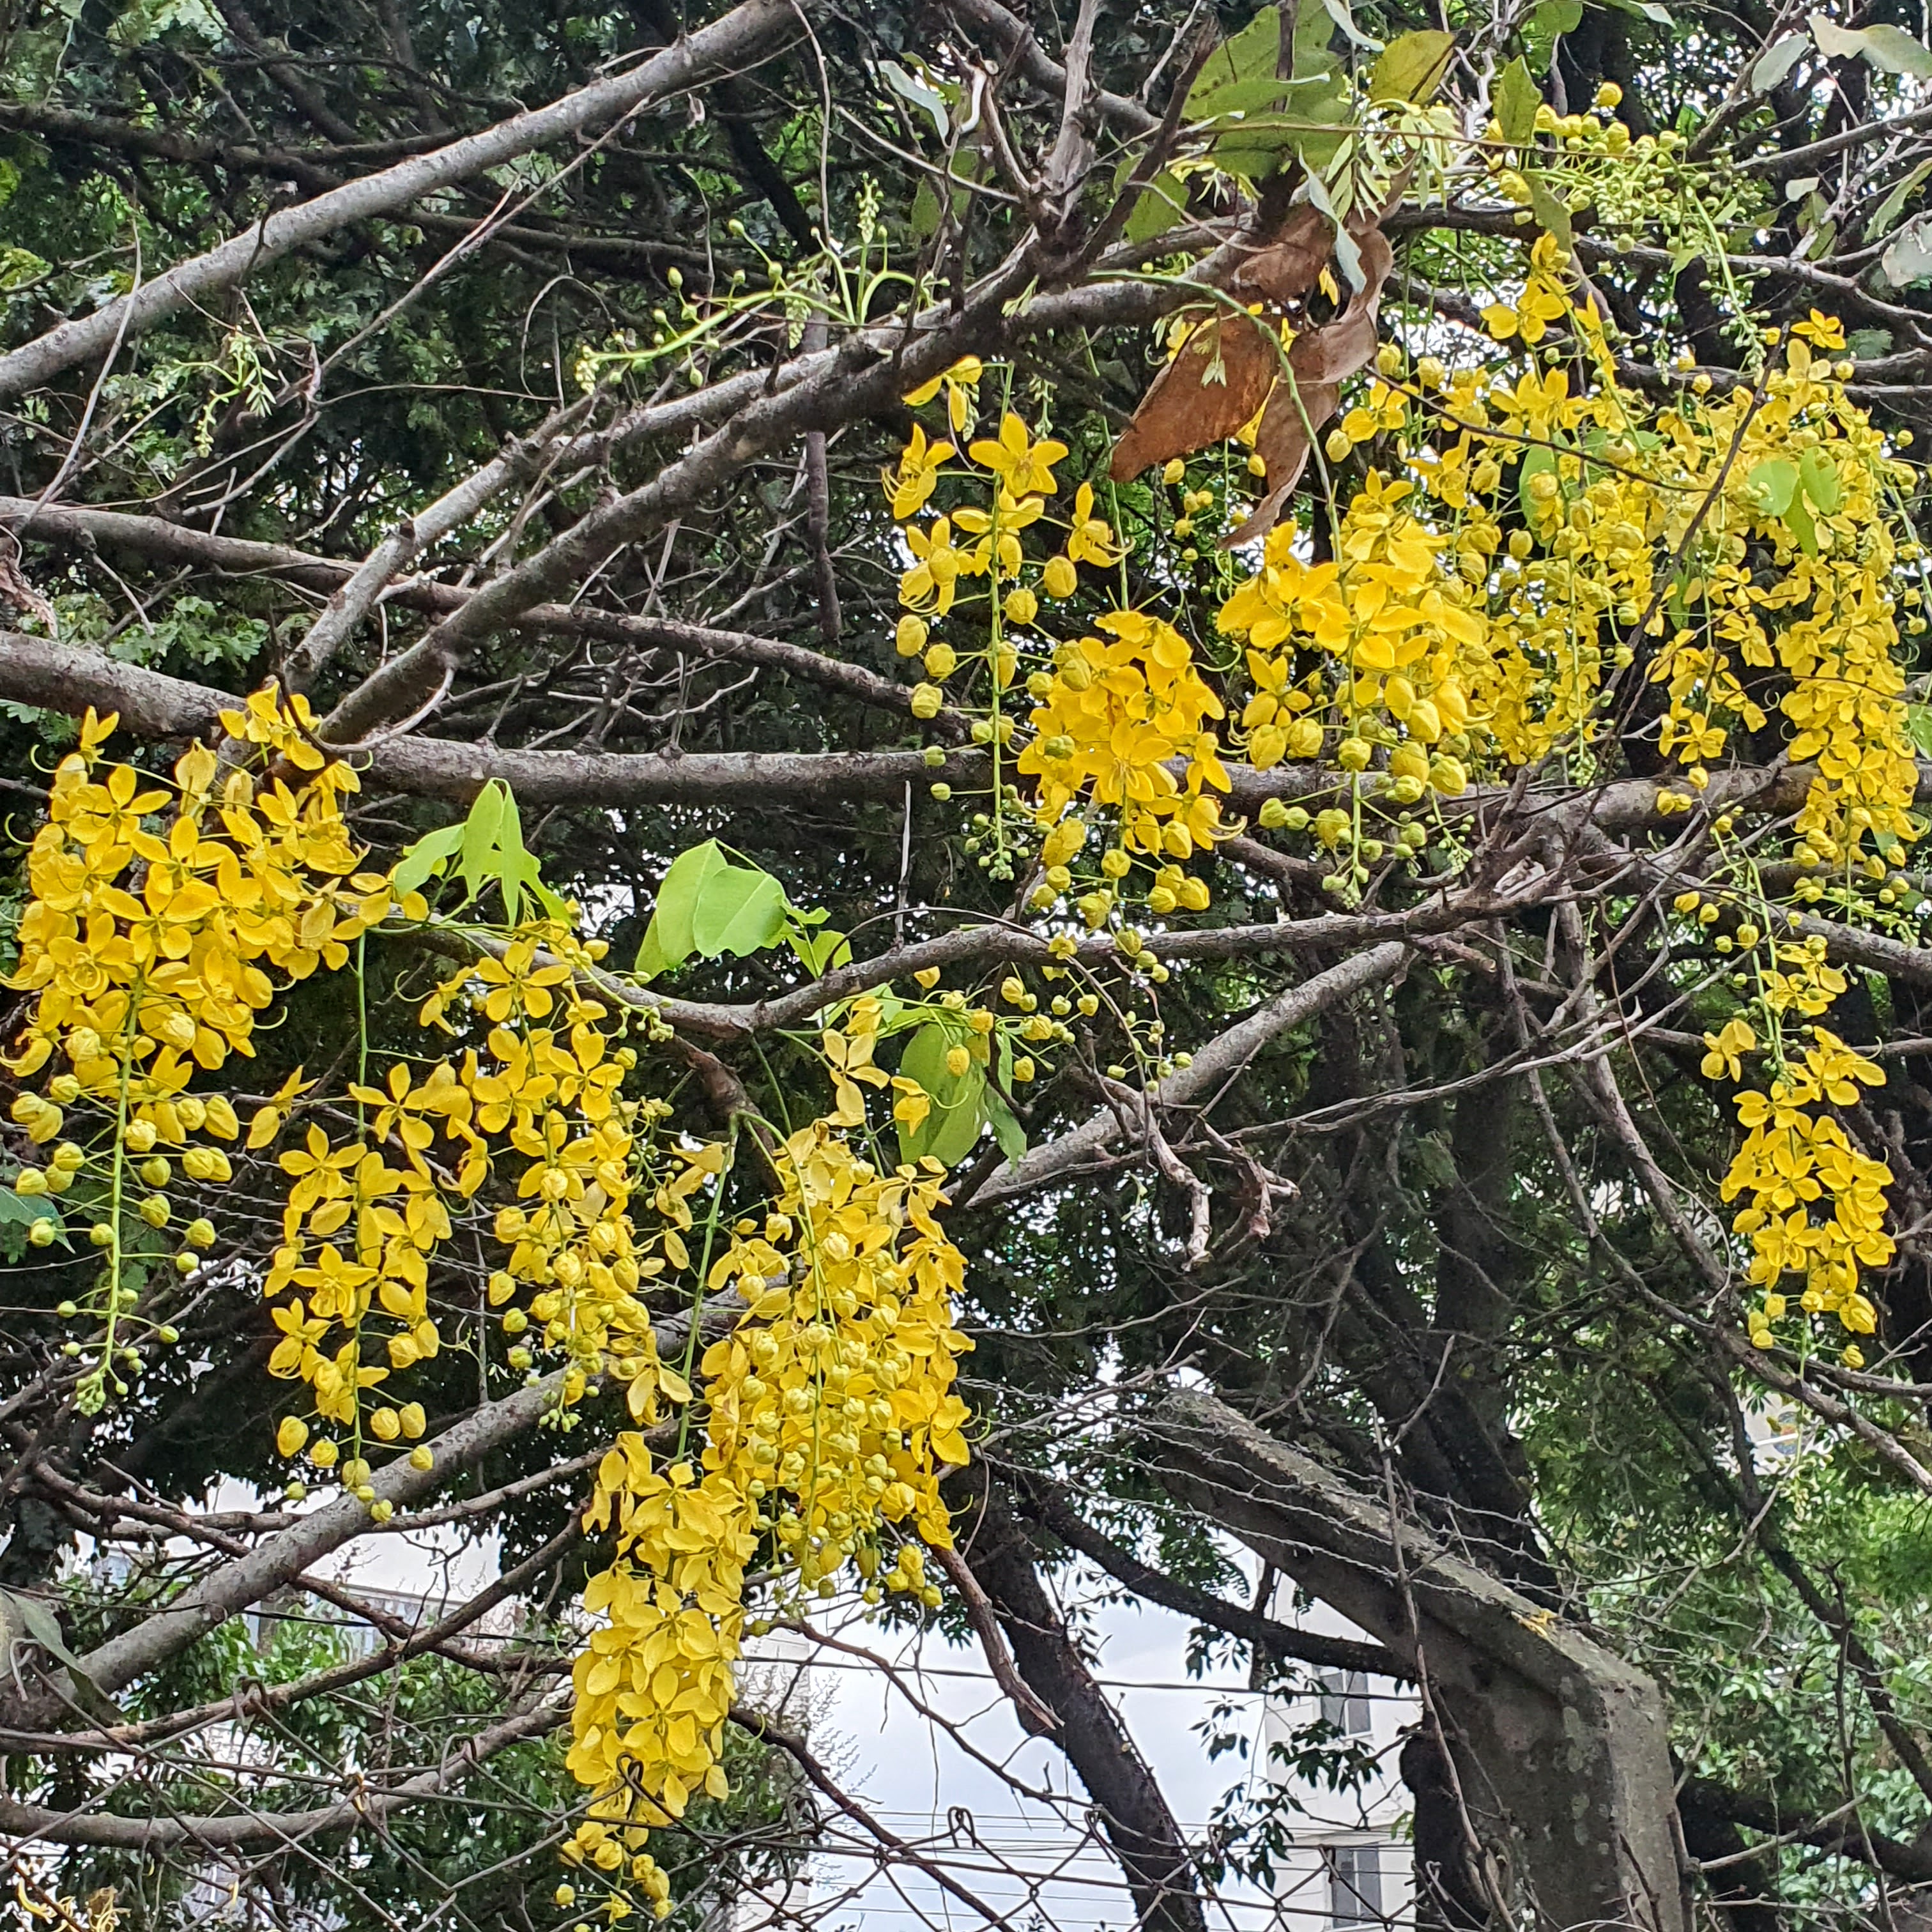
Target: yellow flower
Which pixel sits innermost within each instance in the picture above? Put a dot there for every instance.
(1827, 331)
(1024, 467)
(908, 487)
(1090, 540)
(1723, 1048)
(958, 382)
(929, 584)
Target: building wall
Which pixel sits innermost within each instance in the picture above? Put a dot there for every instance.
(1350, 1865)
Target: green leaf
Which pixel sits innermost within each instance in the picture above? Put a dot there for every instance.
(1643, 10)
(1241, 97)
(1894, 51)
(924, 219)
(1535, 463)
(1162, 203)
(1819, 476)
(1777, 60)
(651, 959)
(1918, 728)
(1411, 67)
(1548, 23)
(428, 855)
(26, 1209)
(516, 870)
(1551, 211)
(1006, 1128)
(948, 1132)
(1254, 53)
(1889, 209)
(1891, 50)
(1798, 521)
(1327, 107)
(1771, 486)
(820, 952)
(41, 1625)
(1517, 98)
(953, 1130)
(677, 901)
(478, 846)
(739, 911)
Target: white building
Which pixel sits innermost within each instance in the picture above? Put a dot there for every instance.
(1351, 1856)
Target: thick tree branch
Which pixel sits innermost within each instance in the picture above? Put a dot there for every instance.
(1047, 1501)
(751, 30)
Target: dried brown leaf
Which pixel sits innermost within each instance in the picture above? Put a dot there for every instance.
(1284, 270)
(1192, 403)
(1321, 361)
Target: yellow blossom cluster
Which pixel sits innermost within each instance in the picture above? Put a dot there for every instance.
(831, 1414)
(1119, 714)
(165, 918)
(1816, 1205)
(1394, 627)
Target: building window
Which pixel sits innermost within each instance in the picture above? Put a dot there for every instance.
(1355, 1884)
(1344, 1703)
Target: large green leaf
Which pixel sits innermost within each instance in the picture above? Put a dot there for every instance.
(1253, 54)
(1240, 96)
(948, 1132)
(677, 902)
(1770, 67)
(478, 843)
(1771, 484)
(709, 906)
(428, 856)
(1819, 476)
(1891, 50)
(739, 911)
(1006, 1128)
(1517, 98)
(1411, 66)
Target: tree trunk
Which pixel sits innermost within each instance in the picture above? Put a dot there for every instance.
(1139, 1824)
(1555, 1758)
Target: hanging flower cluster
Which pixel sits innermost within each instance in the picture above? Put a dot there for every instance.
(1517, 549)
(1392, 628)
(1816, 1205)
(1122, 721)
(166, 918)
(166, 922)
(830, 1416)
(1120, 714)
